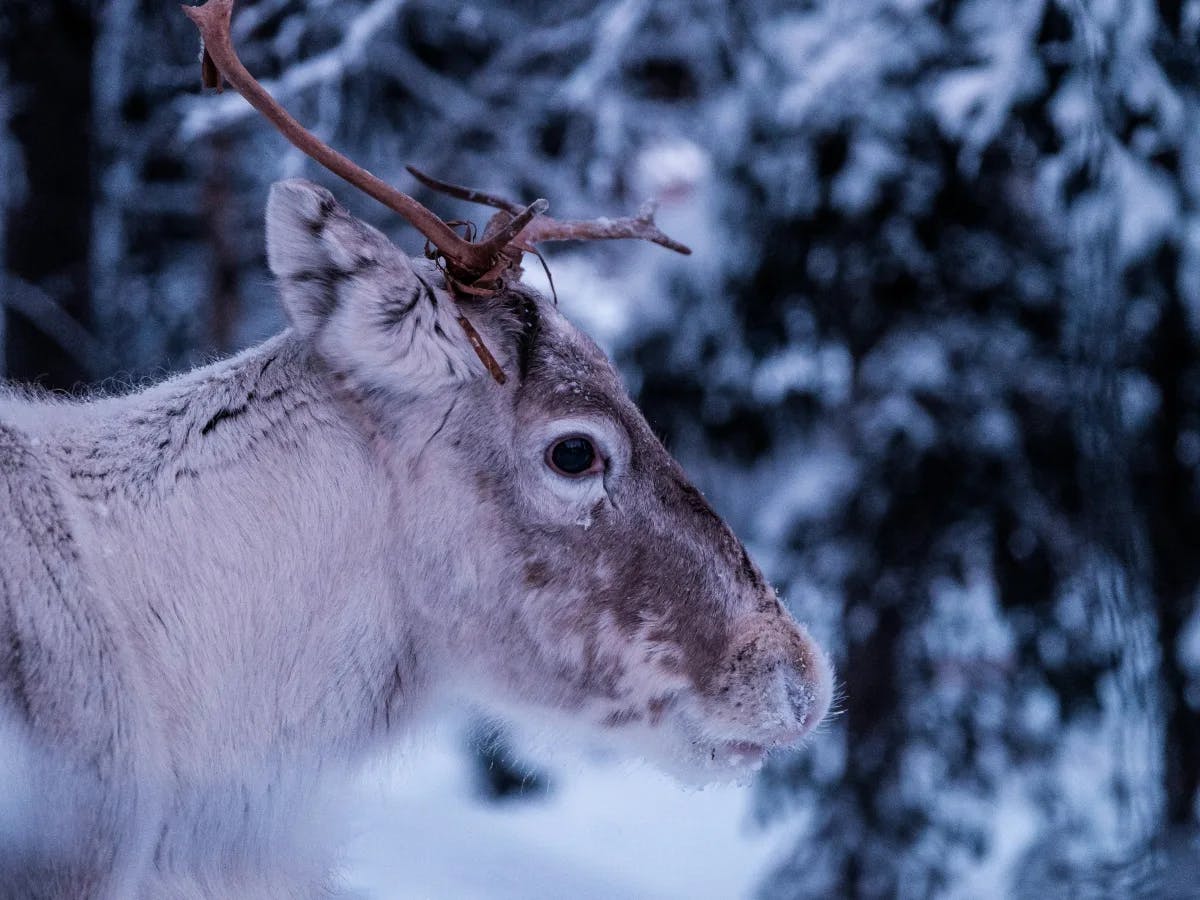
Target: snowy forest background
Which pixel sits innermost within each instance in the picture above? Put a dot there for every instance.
(934, 356)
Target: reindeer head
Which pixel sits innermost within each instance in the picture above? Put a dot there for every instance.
(560, 557)
(555, 555)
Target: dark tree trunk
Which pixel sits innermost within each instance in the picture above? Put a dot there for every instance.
(47, 45)
(1174, 521)
(225, 301)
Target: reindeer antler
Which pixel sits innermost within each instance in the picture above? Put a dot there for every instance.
(470, 268)
(466, 262)
(545, 228)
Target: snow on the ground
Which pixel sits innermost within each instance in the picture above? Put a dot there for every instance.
(605, 830)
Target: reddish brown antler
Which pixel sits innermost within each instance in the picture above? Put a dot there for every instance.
(466, 262)
(545, 228)
(471, 268)
(476, 267)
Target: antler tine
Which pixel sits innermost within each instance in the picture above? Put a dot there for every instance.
(502, 236)
(545, 228)
(471, 195)
(466, 261)
(639, 227)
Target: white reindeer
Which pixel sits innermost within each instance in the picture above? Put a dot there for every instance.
(217, 593)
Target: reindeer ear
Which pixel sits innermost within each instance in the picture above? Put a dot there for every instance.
(314, 246)
(361, 300)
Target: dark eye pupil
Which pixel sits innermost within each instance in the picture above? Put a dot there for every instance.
(573, 456)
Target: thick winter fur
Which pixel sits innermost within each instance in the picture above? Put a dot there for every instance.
(220, 592)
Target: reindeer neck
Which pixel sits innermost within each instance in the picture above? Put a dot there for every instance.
(243, 519)
(143, 448)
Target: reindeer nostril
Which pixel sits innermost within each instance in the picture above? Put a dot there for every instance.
(785, 679)
(801, 696)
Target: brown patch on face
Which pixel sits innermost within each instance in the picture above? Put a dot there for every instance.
(602, 674)
(537, 574)
(726, 540)
(657, 582)
(702, 639)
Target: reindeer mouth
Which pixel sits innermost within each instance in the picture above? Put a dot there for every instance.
(739, 755)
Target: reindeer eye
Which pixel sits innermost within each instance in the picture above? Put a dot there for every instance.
(572, 456)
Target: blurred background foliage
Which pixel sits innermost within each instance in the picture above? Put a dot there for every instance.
(935, 356)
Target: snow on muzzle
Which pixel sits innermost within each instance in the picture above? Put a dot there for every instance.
(773, 689)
